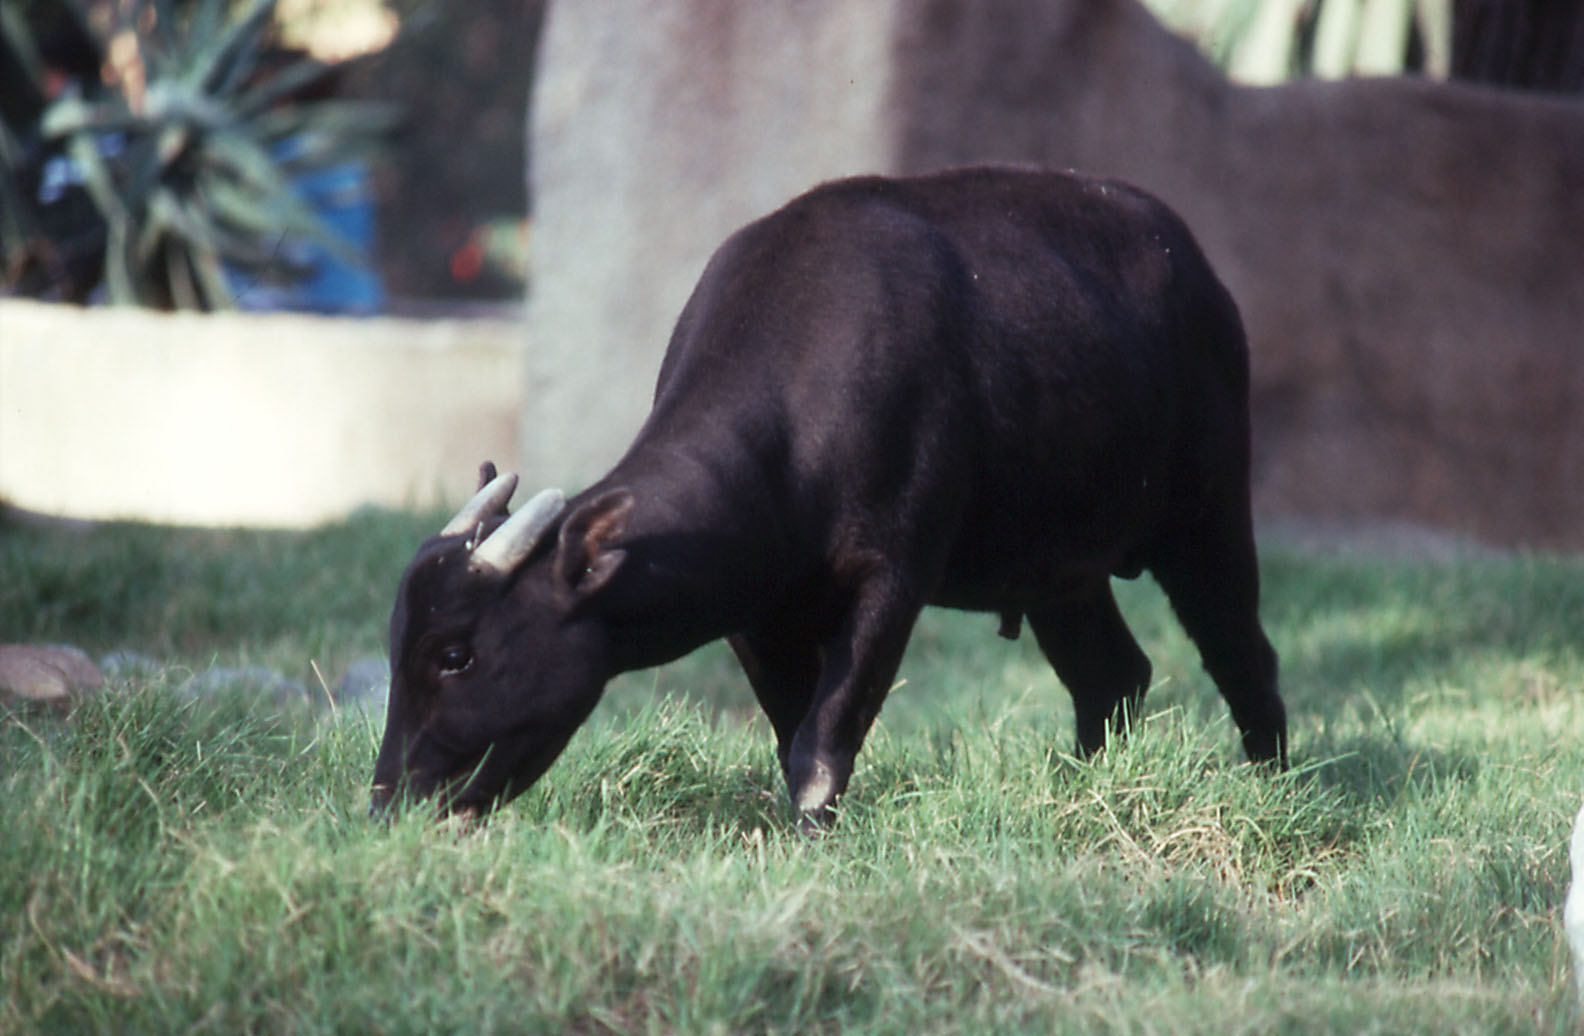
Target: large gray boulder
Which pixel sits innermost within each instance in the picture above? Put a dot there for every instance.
(1406, 254)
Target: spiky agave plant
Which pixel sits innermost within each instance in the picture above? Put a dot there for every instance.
(188, 152)
(1268, 41)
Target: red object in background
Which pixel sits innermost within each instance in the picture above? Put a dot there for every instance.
(467, 261)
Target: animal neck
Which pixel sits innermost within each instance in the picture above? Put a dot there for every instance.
(704, 554)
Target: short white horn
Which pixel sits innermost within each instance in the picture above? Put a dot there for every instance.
(485, 502)
(514, 540)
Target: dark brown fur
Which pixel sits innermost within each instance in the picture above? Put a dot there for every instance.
(987, 389)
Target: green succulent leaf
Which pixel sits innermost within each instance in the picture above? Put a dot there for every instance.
(14, 31)
(299, 75)
(173, 101)
(232, 205)
(263, 198)
(247, 160)
(224, 67)
(17, 226)
(184, 292)
(71, 114)
(206, 256)
(338, 128)
(98, 180)
(119, 278)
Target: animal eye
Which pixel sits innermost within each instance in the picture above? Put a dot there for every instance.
(454, 659)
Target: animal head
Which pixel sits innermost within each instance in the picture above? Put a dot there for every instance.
(496, 653)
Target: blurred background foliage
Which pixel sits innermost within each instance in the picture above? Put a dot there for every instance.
(1533, 44)
(160, 148)
(175, 153)
(153, 151)
(452, 192)
(1269, 41)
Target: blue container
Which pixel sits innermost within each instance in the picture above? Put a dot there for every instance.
(340, 195)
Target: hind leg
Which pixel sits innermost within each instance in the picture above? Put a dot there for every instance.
(1212, 580)
(1089, 645)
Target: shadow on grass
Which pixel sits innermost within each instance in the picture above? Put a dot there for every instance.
(1384, 630)
(1375, 772)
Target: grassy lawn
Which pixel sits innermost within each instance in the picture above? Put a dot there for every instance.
(172, 866)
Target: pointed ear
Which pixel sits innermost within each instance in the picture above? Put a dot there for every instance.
(585, 559)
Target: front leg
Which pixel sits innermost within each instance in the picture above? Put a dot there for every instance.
(860, 663)
(783, 668)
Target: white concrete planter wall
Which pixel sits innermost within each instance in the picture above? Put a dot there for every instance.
(280, 420)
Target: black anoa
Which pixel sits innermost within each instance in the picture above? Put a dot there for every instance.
(988, 388)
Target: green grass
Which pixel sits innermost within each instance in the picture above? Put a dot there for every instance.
(171, 866)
